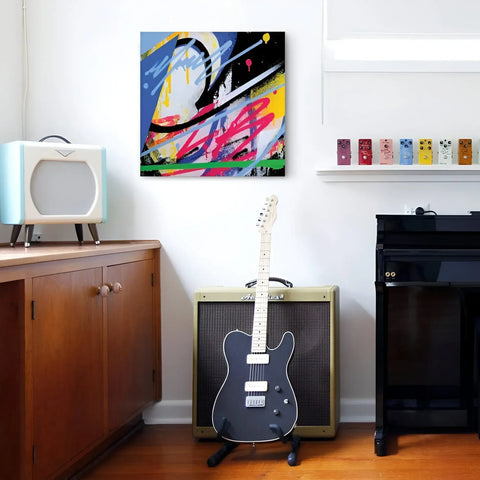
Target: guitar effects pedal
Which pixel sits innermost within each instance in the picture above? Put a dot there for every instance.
(445, 152)
(425, 152)
(406, 151)
(344, 152)
(465, 151)
(365, 151)
(386, 151)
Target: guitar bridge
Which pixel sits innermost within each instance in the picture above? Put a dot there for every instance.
(256, 401)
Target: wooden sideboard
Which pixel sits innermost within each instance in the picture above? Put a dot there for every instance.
(79, 352)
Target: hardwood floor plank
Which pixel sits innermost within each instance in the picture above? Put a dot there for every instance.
(169, 452)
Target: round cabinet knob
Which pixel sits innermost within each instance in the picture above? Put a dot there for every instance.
(103, 291)
(116, 287)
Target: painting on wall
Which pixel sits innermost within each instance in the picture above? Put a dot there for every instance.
(212, 104)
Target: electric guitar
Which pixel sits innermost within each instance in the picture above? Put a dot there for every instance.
(256, 402)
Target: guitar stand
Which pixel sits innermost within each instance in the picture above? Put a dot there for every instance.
(217, 457)
(295, 443)
(229, 446)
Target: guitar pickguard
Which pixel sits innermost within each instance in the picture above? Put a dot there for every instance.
(263, 416)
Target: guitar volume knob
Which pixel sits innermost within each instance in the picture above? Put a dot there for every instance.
(286, 401)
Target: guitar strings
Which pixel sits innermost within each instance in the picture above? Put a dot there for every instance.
(256, 374)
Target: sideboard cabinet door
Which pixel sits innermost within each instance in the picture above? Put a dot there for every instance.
(130, 340)
(68, 379)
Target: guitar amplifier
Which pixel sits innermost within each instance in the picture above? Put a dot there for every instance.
(310, 313)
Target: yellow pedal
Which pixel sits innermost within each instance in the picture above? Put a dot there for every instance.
(425, 152)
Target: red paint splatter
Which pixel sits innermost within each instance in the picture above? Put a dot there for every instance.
(249, 120)
(234, 141)
(190, 144)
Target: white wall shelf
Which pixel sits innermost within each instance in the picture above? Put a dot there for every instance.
(400, 173)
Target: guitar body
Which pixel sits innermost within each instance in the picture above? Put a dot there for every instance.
(272, 412)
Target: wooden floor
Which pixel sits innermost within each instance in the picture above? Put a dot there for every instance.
(169, 452)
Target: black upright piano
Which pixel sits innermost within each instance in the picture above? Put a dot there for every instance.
(427, 324)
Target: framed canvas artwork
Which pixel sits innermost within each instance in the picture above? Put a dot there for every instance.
(212, 104)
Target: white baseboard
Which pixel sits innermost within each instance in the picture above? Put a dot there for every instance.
(352, 410)
(169, 411)
(357, 410)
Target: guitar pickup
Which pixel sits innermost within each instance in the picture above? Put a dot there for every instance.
(256, 401)
(261, 386)
(258, 359)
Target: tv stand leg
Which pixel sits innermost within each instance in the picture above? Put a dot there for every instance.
(28, 235)
(15, 233)
(93, 230)
(79, 232)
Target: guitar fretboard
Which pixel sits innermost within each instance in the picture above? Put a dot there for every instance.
(259, 333)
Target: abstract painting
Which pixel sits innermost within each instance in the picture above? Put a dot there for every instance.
(212, 104)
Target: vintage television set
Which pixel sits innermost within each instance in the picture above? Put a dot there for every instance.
(49, 182)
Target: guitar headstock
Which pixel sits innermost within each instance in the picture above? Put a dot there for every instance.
(268, 215)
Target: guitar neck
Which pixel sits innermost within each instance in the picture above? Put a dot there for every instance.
(259, 333)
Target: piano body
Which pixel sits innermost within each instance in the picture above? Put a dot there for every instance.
(427, 324)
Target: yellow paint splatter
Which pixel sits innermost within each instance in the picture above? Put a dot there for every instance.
(266, 37)
(164, 97)
(277, 97)
(187, 70)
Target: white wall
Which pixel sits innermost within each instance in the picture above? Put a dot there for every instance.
(11, 76)
(84, 85)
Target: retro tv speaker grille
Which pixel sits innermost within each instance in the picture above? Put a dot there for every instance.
(72, 193)
(309, 313)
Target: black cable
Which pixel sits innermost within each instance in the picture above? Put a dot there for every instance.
(422, 211)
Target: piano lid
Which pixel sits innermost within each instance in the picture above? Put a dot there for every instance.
(428, 231)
